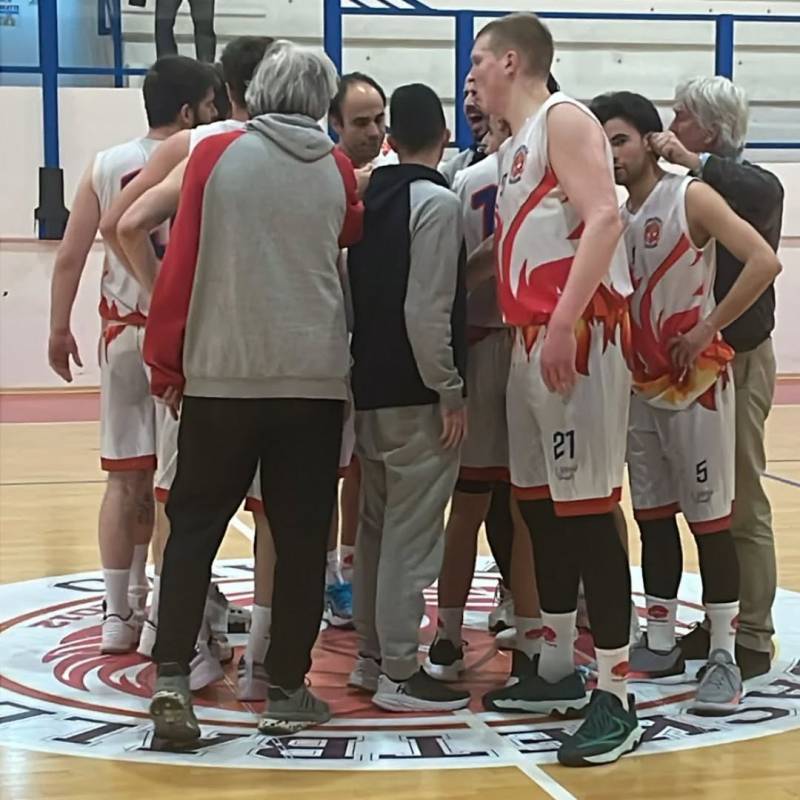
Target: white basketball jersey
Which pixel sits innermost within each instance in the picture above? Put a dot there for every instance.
(476, 188)
(538, 229)
(204, 131)
(122, 299)
(673, 289)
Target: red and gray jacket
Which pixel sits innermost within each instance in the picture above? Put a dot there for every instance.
(248, 302)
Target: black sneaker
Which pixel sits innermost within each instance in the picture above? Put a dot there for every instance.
(696, 645)
(536, 695)
(445, 661)
(608, 732)
(419, 693)
(522, 667)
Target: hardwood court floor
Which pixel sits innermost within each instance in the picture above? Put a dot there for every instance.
(50, 486)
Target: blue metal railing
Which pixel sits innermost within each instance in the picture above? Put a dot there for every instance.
(464, 35)
(110, 23)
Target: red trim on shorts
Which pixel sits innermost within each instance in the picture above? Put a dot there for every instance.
(493, 474)
(531, 492)
(583, 508)
(254, 504)
(161, 495)
(711, 525)
(139, 463)
(659, 512)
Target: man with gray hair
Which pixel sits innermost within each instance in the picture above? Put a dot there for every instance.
(247, 333)
(707, 137)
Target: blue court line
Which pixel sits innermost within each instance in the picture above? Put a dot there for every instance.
(780, 479)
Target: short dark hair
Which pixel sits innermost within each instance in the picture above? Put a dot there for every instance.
(239, 60)
(345, 82)
(416, 117)
(173, 82)
(526, 34)
(221, 100)
(634, 108)
(553, 85)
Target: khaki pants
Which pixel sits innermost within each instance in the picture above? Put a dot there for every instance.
(407, 480)
(754, 377)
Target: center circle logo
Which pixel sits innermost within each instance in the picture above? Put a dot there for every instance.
(59, 694)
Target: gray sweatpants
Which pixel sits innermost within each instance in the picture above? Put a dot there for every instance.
(407, 479)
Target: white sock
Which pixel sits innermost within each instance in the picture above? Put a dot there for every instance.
(612, 672)
(347, 555)
(258, 640)
(332, 568)
(529, 635)
(153, 617)
(116, 581)
(635, 631)
(139, 567)
(661, 615)
(448, 625)
(557, 654)
(724, 619)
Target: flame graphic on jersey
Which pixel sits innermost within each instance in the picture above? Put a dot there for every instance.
(541, 285)
(117, 322)
(78, 656)
(654, 374)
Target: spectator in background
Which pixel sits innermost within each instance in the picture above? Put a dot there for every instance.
(707, 137)
(253, 258)
(205, 40)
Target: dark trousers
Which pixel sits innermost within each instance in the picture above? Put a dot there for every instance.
(205, 40)
(220, 441)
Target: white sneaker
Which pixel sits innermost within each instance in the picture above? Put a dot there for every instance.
(506, 640)
(253, 681)
(224, 616)
(204, 669)
(502, 615)
(220, 648)
(147, 639)
(365, 675)
(119, 635)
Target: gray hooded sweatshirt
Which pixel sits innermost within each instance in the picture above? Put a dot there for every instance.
(248, 302)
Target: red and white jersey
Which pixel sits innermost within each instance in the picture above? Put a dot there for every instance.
(476, 188)
(673, 283)
(538, 230)
(122, 298)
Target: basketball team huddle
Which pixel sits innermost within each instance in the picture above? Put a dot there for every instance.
(492, 332)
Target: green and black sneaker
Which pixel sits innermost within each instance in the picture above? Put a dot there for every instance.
(607, 733)
(534, 695)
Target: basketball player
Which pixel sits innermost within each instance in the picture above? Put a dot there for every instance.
(562, 283)
(178, 94)
(160, 202)
(682, 431)
(484, 454)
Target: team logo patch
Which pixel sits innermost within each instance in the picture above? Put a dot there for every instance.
(652, 232)
(518, 164)
(59, 694)
(657, 612)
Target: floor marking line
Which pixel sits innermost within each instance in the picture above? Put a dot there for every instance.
(781, 479)
(52, 483)
(544, 781)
